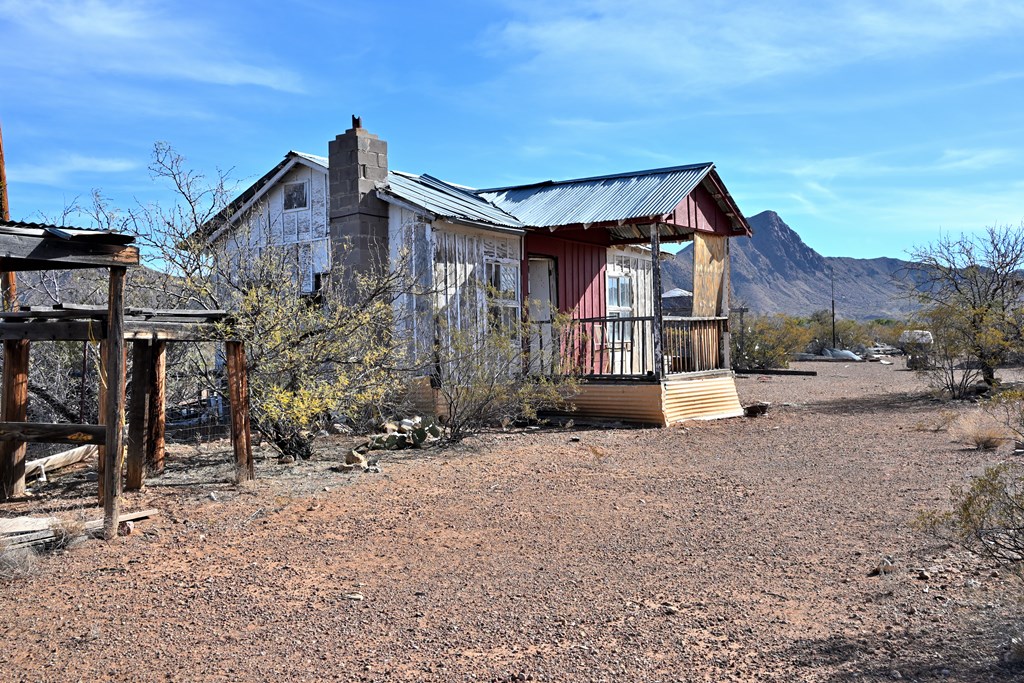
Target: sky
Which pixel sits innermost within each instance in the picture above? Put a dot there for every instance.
(869, 126)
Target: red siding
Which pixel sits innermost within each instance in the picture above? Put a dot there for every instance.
(580, 264)
(701, 212)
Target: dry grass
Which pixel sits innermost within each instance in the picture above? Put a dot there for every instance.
(67, 532)
(939, 422)
(16, 563)
(980, 430)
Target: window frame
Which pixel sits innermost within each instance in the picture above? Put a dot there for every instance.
(305, 196)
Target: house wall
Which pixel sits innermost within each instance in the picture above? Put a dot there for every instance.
(701, 212)
(580, 266)
(410, 236)
(304, 231)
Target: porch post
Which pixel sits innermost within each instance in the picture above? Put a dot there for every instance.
(725, 350)
(659, 358)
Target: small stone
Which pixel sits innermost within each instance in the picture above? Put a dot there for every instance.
(574, 439)
(286, 460)
(923, 575)
(125, 528)
(213, 496)
(356, 597)
(355, 458)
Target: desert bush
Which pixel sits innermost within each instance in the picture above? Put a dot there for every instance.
(849, 334)
(987, 515)
(17, 563)
(483, 377)
(951, 369)
(980, 430)
(767, 341)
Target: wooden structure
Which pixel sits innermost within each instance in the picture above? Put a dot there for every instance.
(29, 246)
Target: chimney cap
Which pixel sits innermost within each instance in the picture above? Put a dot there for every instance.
(357, 121)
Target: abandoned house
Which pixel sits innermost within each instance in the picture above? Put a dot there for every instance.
(582, 248)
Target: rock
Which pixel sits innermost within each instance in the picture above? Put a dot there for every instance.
(212, 496)
(286, 460)
(923, 575)
(574, 439)
(355, 458)
(756, 409)
(125, 528)
(389, 427)
(886, 565)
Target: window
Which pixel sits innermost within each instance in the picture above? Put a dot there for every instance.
(620, 305)
(502, 275)
(295, 196)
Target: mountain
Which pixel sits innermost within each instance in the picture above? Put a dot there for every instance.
(776, 272)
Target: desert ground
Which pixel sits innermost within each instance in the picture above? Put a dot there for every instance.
(731, 550)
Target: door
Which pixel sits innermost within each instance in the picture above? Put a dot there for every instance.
(543, 303)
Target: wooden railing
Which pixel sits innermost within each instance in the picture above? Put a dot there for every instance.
(623, 347)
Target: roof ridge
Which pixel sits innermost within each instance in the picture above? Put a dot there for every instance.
(626, 174)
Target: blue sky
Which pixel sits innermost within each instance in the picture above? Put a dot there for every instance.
(869, 126)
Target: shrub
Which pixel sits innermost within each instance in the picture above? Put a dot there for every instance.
(987, 516)
(767, 341)
(981, 430)
(482, 377)
(951, 366)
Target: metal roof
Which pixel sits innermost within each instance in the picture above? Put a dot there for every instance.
(445, 200)
(64, 232)
(623, 196)
(318, 160)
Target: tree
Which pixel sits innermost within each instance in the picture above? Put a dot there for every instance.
(767, 341)
(312, 357)
(979, 277)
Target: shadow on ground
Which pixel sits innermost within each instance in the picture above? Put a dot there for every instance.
(878, 404)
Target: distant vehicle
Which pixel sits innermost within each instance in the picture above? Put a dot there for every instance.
(917, 344)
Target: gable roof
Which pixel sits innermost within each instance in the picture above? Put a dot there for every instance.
(253, 193)
(618, 197)
(445, 200)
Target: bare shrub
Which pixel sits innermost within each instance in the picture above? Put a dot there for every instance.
(987, 516)
(483, 377)
(952, 368)
(16, 563)
(767, 341)
(981, 430)
(67, 532)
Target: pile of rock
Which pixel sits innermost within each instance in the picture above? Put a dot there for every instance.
(416, 432)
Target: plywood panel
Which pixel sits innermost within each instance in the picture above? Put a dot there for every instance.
(709, 271)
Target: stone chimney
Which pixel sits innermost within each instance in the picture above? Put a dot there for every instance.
(357, 162)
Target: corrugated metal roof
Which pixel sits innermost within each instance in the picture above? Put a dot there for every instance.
(318, 160)
(64, 232)
(445, 200)
(584, 201)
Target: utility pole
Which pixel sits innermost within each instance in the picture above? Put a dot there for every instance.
(833, 278)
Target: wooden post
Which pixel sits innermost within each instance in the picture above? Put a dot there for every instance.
(659, 354)
(238, 393)
(726, 343)
(15, 409)
(157, 408)
(138, 414)
(114, 408)
(101, 396)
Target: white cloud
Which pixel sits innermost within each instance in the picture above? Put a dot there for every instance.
(130, 38)
(655, 49)
(57, 172)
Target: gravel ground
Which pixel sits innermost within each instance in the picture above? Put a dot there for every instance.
(731, 550)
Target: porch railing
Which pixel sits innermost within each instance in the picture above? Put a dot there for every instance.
(623, 347)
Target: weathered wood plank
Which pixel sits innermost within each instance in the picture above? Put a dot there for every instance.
(41, 432)
(25, 252)
(238, 391)
(65, 330)
(114, 409)
(62, 459)
(157, 408)
(138, 415)
(656, 326)
(14, 410)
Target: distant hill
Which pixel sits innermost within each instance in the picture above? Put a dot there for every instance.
(776, 272)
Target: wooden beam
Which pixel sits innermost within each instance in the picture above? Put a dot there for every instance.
(157, 408)
(238, 393)
(138, 414)
(659, 362)
(27, 252)
(725, 352)
(65, 330)
(114, 408)
(44, 432)
(14, 410)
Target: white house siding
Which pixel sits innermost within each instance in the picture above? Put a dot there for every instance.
(410, 239)
(304, 231)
